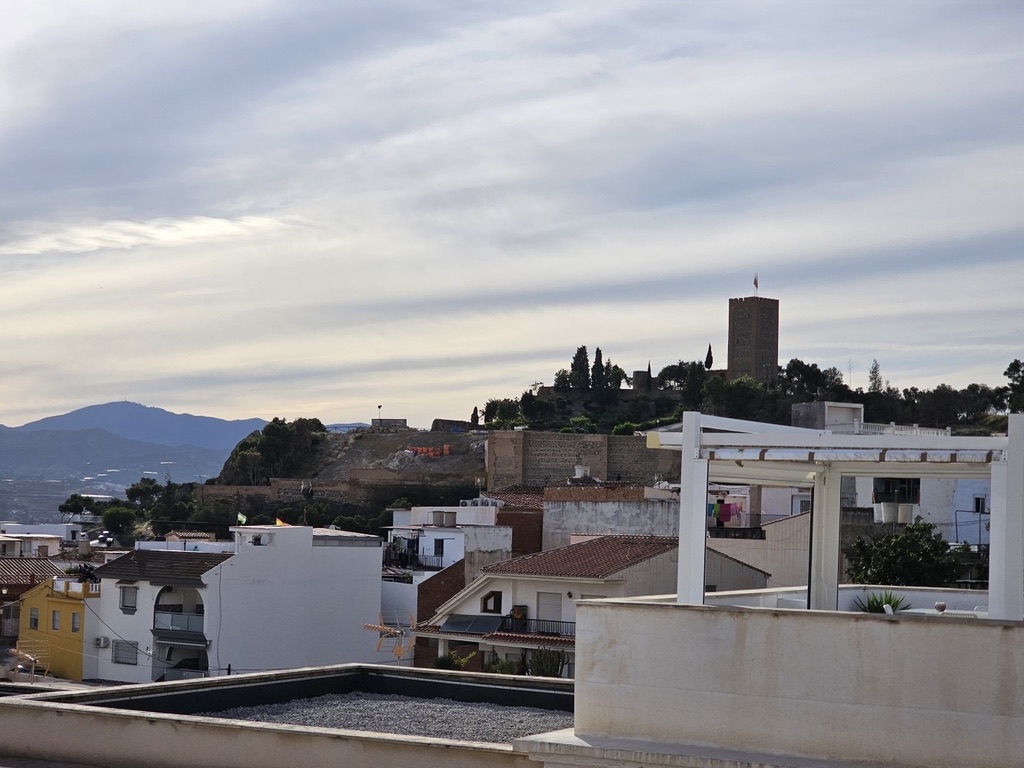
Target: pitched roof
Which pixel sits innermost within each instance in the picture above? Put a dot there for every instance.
(592, 559)
(160, 566)
(15, 571)
(520, 496)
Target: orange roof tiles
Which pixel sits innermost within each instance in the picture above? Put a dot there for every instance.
(593, 559)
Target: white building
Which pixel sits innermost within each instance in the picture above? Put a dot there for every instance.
(529, 602)
(286, 596)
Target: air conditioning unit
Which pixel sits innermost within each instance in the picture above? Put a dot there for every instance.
(102, 642)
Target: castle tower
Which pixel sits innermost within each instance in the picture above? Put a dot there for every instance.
(753, 338)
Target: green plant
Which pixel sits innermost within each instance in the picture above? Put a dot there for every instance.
(915, 556)
(545, 662)
(453, 660)
(504, 667)
(876, 602)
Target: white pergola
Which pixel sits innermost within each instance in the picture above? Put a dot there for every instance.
(719, 450)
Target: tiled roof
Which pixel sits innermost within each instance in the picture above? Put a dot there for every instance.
(15, 571)
(200, 535)
(162, 566)
(507, 638)
(592, 559)
(520, 496)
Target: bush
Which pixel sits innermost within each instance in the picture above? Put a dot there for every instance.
(914, 556)
(452, 660)
(504, 667)
(625, 428)
(545, 662)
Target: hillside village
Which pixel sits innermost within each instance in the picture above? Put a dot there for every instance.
(495, 546)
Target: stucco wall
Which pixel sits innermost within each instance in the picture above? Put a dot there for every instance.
(564, 518)
(291, 604)
(784, 552)
(818, 684)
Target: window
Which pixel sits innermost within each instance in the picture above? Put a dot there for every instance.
(33, 618)
(129, 599)
(76, 622)
(491, 602)
(55, 621)
(124, 652)
(980, 506)
(906, 490)
(438, 547)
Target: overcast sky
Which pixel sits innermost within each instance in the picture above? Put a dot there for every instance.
(260, 208)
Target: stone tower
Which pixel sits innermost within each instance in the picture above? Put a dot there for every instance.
(753, 338)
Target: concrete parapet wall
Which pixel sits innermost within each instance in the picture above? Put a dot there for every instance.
(152, 725)
(808, 683)
(119, 738)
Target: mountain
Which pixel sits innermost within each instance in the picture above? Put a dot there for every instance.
(146, 424)
(102, 449)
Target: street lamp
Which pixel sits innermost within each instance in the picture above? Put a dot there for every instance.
(378, 414)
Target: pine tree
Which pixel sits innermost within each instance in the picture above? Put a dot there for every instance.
(709, 360)
(874, 377)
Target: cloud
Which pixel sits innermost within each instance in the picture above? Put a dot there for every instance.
(32, 240)
(258, 208)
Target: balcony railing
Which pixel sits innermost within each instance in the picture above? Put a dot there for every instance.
(538, 627)
(178, 622)
(416, 562)
(75, 588)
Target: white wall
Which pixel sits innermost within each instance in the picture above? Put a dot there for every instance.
(784, 552)
(110, 621)
(657, 517)
(292, 604)
(781, 682)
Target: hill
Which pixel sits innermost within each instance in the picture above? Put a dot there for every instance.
(146, 424)
(102, 449)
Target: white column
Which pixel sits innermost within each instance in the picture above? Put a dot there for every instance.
(693, 506)
(823, 586)
(1006, 534)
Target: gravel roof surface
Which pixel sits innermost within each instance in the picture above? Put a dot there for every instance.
(407, 715)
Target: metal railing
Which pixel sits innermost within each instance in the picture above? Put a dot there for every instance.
(538, 626)
(409, 560)
(178, 622)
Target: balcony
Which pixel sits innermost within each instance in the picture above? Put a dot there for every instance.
(75, 588)
(178, 622)
(412, 561)
(537, 627)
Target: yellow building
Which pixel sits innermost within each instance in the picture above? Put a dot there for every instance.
(52, 625)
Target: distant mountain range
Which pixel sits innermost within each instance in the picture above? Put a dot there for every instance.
(102, 449)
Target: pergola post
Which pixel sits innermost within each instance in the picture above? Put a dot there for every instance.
(693, 503)
(823, 579)
(1006, 534)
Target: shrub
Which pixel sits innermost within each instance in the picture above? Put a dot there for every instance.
(452, 660)
(876, 602)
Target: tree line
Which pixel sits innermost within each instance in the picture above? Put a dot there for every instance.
(589, 397)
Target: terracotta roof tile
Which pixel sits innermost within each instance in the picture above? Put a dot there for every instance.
(519, 496)
(15, 571)
(162, 566)
(559, 641)
(593, 559)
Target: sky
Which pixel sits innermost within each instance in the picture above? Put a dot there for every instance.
(289, 208)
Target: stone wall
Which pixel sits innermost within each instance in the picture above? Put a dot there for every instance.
(550, 458)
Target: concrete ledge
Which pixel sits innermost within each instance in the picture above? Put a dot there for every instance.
(565, 748)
